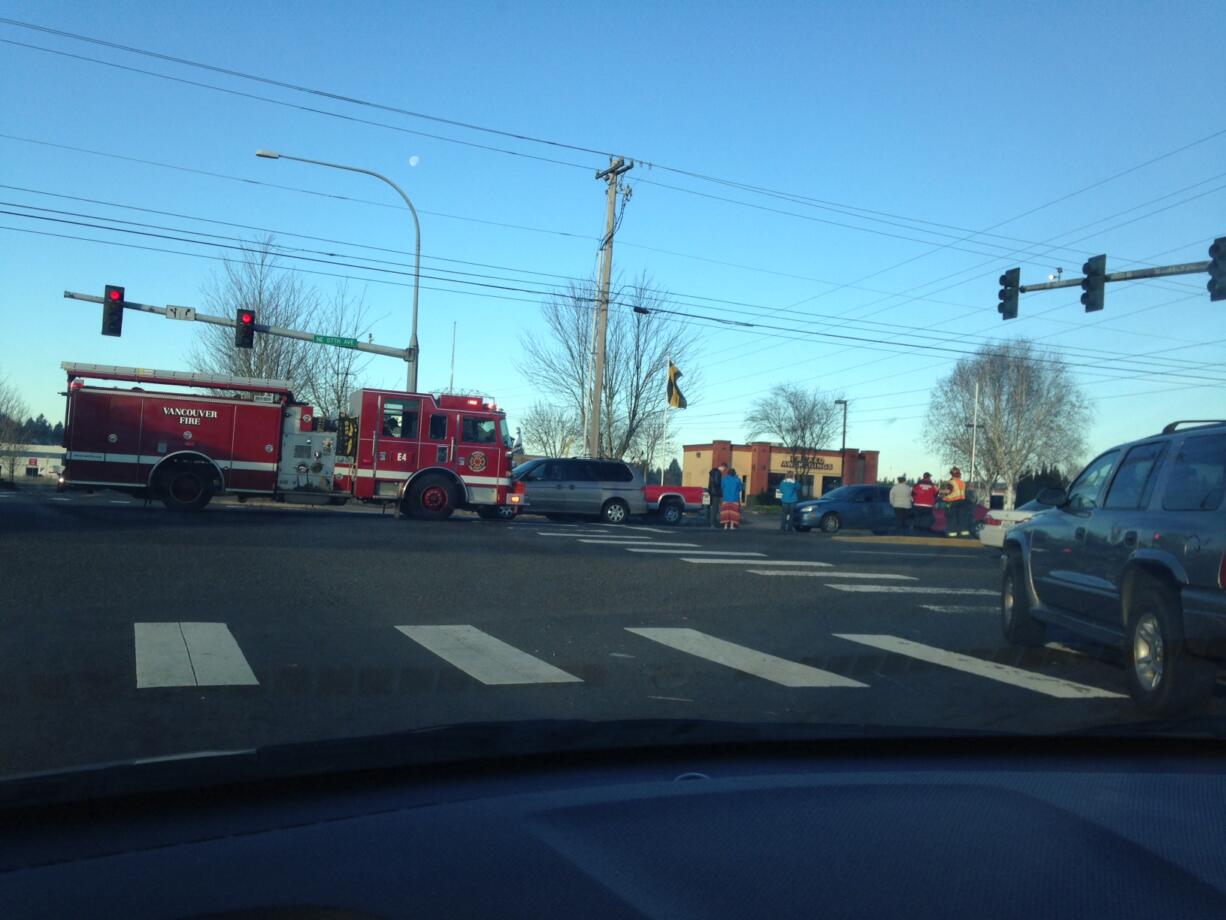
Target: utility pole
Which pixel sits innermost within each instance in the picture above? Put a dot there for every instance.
(975, 434)
(451, 386)
(617, 166)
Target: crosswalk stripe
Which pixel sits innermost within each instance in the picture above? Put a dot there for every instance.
(572, 534)
(900, 589)
(796, 574)
(189, 655)
(706, 561)
(1027, 680)
(740, 658)
(650, 529)
(631, 541)
(959, 608)
(692, 552)
(489, 660)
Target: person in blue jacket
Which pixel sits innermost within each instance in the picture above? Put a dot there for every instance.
(730, 509)
(789, 492)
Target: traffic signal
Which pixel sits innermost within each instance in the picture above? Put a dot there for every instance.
(1217, 269)
(244, 328)
(112, 310)
(1094, 283)
(1010, 281)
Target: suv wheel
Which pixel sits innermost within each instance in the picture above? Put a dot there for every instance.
(615, 511)
(1019, 627)
(830, 523)
(1164, 679)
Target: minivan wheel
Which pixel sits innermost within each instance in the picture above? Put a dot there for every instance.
(1164, 679)
(1018, 626)
(830, 523)
(615, 511)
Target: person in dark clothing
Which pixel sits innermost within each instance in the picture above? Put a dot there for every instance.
(715, 491)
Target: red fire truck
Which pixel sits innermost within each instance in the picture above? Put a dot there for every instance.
(427, 455)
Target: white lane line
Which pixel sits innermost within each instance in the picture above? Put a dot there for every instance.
(189, 655)
(489, 660)
(573, 534)
(117, 501)
(671, 699)
(831, 574)
(650, 529)
(907, 589)
(690, 558)
(747, 660)
(1027, 680)
(56, 498)
(959, 608)
(691, 552)
(629, 541)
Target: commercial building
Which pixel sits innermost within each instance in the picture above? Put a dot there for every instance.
(31, 460)
(762, 466)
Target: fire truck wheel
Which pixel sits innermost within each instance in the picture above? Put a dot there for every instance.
(184, 487)
(430, 498)
(615, 511)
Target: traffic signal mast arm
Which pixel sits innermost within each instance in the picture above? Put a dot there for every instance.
(1161, 271)
(229, 322)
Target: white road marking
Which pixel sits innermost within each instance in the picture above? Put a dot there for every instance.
(189, 655)
(901, 589)
(630, 541)
(671, 699)
(575, 534)
(747, 660)
(489, 660)
(650, 529)
(620, 655)
(690, 558)
(832, 574)
(691, 552)
(1061, 647)
(958, 608)
(116, 501)
(57, 498)
(1027, 680)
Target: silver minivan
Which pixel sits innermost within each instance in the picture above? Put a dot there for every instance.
(560, 488)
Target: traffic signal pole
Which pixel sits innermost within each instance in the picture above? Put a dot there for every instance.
(1160, 271)
(190, 314)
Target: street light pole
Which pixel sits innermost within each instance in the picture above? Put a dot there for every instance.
(413, 349)
(843, 448)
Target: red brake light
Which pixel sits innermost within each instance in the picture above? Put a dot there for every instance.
(1221, 572)
(990, 521)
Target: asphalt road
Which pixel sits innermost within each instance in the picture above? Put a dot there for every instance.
(131, 632)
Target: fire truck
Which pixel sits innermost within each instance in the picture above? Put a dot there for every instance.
(427, 455)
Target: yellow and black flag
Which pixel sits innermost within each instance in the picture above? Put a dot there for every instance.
(675, 397)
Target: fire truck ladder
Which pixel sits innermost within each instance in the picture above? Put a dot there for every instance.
(176, 378)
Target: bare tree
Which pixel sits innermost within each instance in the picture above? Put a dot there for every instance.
(277, 297)
(639, 343)
(1031, 413)
(801, 420)
(550, 430)
(336, 372)
(12, 412)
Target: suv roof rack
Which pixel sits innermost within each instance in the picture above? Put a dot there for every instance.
(1174, 426)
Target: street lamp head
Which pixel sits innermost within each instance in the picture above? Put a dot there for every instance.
(840, 402)
(268, 154)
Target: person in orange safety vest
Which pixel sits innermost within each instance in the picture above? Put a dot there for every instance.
(958, 511)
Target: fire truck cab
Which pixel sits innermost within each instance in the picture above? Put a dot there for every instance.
(427, 454)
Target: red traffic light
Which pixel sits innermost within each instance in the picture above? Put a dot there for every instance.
(116, 294)
(246, 317)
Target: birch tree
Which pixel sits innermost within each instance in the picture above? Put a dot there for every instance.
(1032, 414)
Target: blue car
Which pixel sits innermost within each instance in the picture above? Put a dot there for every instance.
(862, 507)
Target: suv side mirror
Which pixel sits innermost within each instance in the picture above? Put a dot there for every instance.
(1054, 498)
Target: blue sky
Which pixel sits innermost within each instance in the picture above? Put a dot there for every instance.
(906, 126)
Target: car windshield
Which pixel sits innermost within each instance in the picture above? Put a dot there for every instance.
(343, 339)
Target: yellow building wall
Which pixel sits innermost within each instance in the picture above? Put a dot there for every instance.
(781, 462)
(695, 468)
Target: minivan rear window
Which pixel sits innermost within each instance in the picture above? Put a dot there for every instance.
(1198, 475)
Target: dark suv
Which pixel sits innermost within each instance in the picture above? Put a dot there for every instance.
(563, 487)
(1133, 555)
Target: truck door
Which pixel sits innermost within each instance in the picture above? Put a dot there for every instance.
(123, 439)
(396, 443)
(476, 455)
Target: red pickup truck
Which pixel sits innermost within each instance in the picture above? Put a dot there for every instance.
(670, 503)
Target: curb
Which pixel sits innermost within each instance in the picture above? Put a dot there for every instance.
(951, 542)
